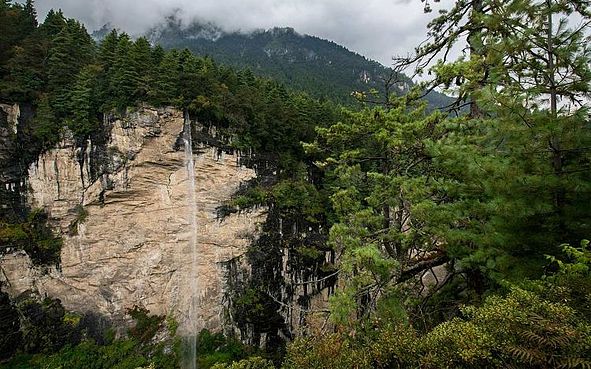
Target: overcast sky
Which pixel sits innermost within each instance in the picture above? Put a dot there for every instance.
(377, 29)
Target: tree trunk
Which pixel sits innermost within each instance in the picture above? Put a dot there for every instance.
(555, 140)
(475, 42)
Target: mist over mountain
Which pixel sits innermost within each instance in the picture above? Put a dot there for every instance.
(307, 63)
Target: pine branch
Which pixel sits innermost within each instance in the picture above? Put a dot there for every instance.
(435, 259)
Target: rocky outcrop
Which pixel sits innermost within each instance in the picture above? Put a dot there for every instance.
(123, 210)
(10, 173)
(13, 113)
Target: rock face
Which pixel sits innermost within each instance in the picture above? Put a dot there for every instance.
(10, 173)
(124, 212)
(13, 113)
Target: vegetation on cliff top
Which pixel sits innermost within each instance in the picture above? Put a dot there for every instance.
(319, 67)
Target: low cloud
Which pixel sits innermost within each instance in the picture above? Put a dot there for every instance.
(377, 29)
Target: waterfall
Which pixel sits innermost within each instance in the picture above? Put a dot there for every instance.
(192, 319)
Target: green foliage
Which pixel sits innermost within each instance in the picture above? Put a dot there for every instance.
(71, 50)
(381, 189)
(254, 196)
(518, 330)
(255, 362)
(250, 305)
(34, 236)
(579, 260)
(46, 130)
(530, 150)
(54, 337)
(389, 346)
(493, 191)
(532, 330)
(298, 196)
(88, 354)
(319, 67)
(45, 325)
(81, 214)
(172, 325)
(573, 278)
(146, 325)
(123, 74)
(343, 306)
(17, 21)
(457, 343)
(215, 350)
(11, 338)
(83, 102)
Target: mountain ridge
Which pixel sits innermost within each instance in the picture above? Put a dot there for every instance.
(319, 67)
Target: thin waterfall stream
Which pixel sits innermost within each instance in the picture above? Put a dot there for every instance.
(192, 320)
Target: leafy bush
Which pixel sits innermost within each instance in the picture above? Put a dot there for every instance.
(34, 236)
(520, 330)
(253, 197)
(216, 348)
(255, 362)
(146, 325)
(81, 215)
(46, 337)
(298, 196)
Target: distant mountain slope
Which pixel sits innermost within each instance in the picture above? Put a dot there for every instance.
(322, 68)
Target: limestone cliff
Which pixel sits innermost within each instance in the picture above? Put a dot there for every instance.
(122, 207)
(12, 170)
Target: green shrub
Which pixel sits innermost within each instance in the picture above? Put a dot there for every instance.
(521, 330)
(216, 348)
(34, 236)
(172, 325)
(255, 362)
(116, 353)
(146, 325)
(81, 215)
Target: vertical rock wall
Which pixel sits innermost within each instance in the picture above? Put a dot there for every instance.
(10, 172)
(124, 218)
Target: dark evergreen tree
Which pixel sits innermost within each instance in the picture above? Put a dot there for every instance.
(141, 55)
(83, 102)
(71, 49)
(166, 81)
(107, 50)
(46, 127)
(28, 23)
(123, 77)
(53, 24)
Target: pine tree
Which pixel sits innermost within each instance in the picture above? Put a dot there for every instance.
(107, 49)
(380, 160)
(46, 128)
(83, 102)
(123, 77)
(141, 55)
(167, 79)
(157, 55)
(492, 191)
(28, 22)
(538, 77)
(53, 24)
(518, 70)
(71, 50)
